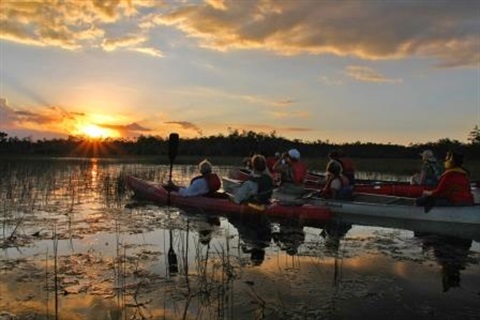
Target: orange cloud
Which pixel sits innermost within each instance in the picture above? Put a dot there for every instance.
(446, 30)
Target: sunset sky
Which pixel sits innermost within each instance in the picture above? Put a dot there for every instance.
(344, 71)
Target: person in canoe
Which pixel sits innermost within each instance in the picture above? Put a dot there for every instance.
(292, 172)
(337, 186)
(205, 184)
(272, 160)
(453, 187)
(347, 165)
(430, 171)
(259, 187)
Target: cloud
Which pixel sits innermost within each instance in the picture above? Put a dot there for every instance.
(123, 42)
(446, 31)
(149, 51)
(49, 118)
(186, 125)
(289, 114)
(267, 128)
(129, 127)
(74, 25)
(366, 74)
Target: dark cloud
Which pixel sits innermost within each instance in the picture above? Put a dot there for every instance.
(186, 125)
(130, 127)
(446, 30)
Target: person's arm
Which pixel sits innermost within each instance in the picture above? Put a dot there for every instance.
(442, 188)
(247, 189)
(281, 165)
(423, 174)
(199, 187)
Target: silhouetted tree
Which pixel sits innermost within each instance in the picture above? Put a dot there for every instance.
(474, 135)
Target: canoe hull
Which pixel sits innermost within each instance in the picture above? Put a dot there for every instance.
(386, 207)
(154, 192)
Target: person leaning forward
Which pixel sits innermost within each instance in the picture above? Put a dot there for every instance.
(292, 173)
(259, 187)
(205, 184)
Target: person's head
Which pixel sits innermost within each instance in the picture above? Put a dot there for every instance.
(205, 167)
(257, 256)
(277, 155)
(453, 159)
(205, 236)
(294, 154)
(334, 168)
(427, 155)
(335, 154)
(259, 164)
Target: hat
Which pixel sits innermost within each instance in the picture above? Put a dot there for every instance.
(294, 153)
(427, 155)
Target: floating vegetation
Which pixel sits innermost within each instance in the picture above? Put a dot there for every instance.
(75, 245)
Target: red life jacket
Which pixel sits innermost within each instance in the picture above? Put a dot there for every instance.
(299, 170)
(454, 186)
(213, 181)
(270, 162)
(348, 169)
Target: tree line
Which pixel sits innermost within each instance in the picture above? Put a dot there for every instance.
(235, 144)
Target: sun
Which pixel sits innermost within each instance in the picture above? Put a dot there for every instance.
(96, 132)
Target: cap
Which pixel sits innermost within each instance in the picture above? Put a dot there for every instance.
(294, 153)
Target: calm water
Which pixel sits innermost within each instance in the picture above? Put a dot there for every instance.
(76, 245)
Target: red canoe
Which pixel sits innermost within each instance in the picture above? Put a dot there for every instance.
(390, 188)
(155, 192)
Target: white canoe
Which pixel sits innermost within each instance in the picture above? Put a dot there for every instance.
(389, 207)
(380, 206)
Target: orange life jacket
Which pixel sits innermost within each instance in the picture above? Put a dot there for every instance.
(327, 189)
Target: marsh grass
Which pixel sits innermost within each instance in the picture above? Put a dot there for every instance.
(67, 202)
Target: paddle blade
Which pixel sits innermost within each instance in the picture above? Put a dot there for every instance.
(172, 146)
(172, 262)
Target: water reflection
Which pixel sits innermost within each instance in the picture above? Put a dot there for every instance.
(289, 236)
(254, 233)
(451, 254)
(113, 259)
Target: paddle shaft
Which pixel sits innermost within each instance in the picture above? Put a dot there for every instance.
(172, 154)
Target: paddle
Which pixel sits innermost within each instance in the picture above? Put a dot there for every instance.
(172, 257)
(172, 153)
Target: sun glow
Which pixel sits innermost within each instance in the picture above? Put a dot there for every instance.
(96, 132)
